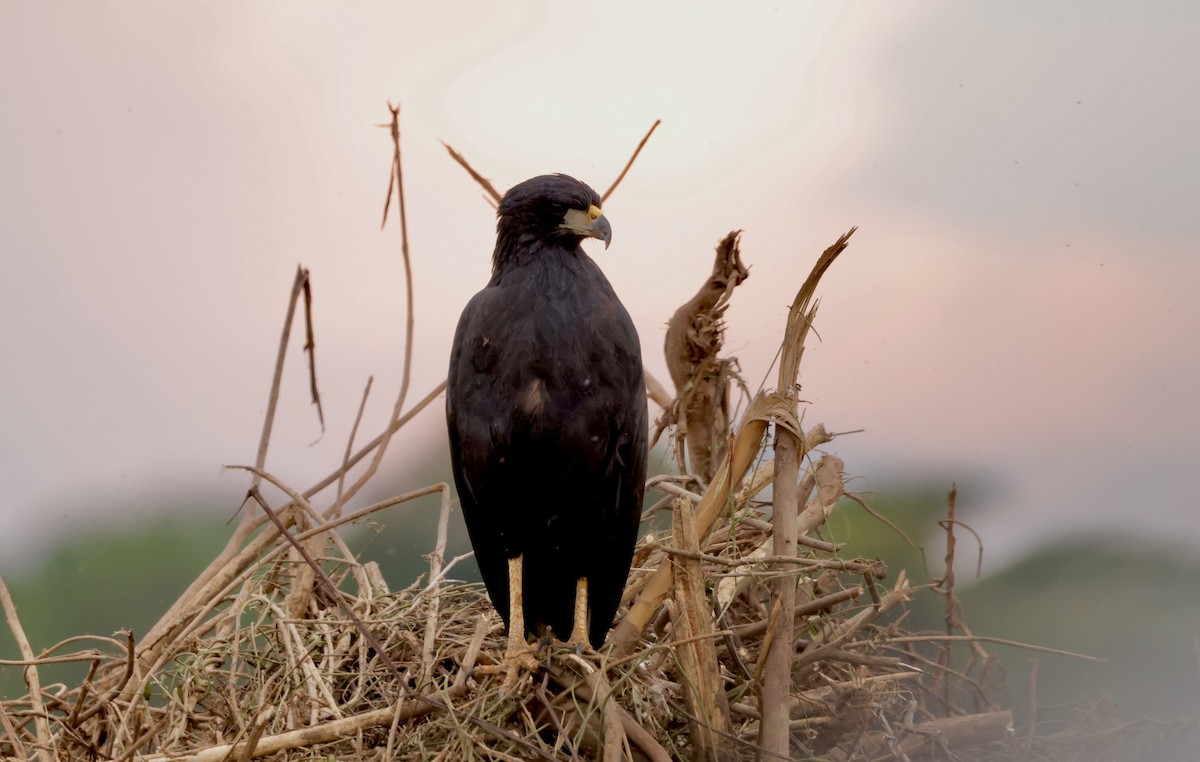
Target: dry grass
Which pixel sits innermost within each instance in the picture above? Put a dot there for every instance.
(744, 634)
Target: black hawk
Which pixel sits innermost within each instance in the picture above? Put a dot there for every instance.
(546, 408)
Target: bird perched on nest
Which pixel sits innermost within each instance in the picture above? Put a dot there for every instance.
(546, 408)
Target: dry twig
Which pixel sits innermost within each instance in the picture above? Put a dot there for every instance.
(604, 196)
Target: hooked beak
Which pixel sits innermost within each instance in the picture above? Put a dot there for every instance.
(591, 224)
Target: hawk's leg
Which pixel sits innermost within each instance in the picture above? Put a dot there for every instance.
(579, 631)
(519, 654)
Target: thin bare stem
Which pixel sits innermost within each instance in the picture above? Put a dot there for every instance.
(277, 377)
(369, 447)
(435, 573)
(310, 348)
(986, 639)
(632, 159)
(337, 505)
(41, 721)
(483, 182)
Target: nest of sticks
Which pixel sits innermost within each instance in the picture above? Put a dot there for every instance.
(743, 635)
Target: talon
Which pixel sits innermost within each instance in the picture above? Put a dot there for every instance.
(517, 657)
(579, 643)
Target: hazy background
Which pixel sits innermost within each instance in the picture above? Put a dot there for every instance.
(1018, 311)
(1018, 308)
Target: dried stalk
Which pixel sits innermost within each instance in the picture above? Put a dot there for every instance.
(774, 731)
(703, 695)
(695, 335)
(651, 592)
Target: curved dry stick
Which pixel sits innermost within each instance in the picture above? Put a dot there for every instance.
(76, 718)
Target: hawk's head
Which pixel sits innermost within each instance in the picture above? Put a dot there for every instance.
(553, 207)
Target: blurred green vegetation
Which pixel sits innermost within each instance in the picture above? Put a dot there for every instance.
(1132, 605)
(102, 582)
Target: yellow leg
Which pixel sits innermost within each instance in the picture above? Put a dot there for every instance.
(519, 654)
(579, 630)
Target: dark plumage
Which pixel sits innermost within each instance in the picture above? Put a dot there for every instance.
(546, 409)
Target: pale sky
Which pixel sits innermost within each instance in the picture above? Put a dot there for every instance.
(1016, 312)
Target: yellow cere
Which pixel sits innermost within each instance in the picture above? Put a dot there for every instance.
(594, 212)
